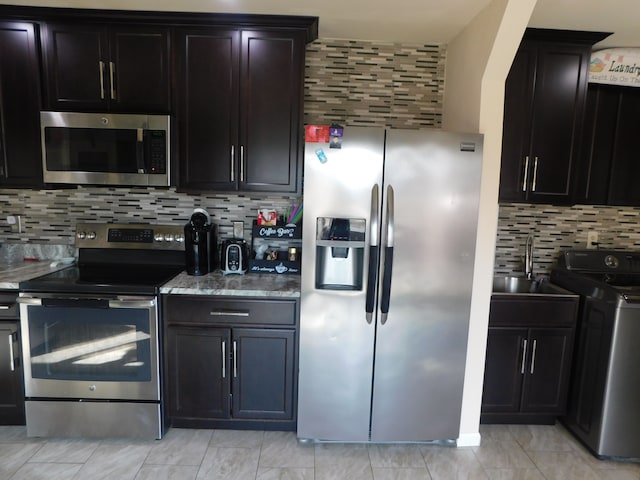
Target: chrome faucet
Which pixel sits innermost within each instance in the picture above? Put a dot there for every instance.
(528, 257)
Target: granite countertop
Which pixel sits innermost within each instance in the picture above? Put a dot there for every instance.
(12, 273)
(247, 285)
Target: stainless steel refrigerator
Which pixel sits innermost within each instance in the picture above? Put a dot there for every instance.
(389, 235)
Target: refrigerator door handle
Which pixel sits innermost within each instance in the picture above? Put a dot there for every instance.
(374, 252)
(388, 258)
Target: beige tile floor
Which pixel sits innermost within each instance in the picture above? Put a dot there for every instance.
(507, 452)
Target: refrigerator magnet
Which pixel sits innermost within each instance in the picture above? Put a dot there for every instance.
(316, 133)
(321, 155)
(336, 132)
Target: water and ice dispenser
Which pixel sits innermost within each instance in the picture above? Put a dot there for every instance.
(340, 246)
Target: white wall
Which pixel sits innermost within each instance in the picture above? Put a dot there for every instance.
(478, 61)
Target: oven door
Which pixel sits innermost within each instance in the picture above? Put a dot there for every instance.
(83, 347)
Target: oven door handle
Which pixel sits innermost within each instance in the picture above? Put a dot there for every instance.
(145, 302)
(133, 303)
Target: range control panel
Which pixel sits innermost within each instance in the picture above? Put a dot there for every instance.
(137, 236)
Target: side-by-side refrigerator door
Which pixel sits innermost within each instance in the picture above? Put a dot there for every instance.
(431, 195)
(342, 187)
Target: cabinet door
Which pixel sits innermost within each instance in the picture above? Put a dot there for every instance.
(263, 373)
(76, 63)
(516, 168)
(198, 372)
(596, 152)
(20, 154)
(11, 393)
(207, 66)
(504, 369)
(139, 70)
(625, 167)
(272, 72)
(547, 371)
(544, 106)
(558, 108)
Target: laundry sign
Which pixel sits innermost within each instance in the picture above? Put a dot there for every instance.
(615, 66)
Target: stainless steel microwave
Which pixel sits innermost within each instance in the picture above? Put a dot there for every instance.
(105, 149)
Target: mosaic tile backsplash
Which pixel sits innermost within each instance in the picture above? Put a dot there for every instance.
(558, 228)
(50, 216)
(374, 84)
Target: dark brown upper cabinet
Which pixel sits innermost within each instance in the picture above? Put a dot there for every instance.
(239, 109)
(111, 68)
(609, 160)
(20, 154)
(543, 115)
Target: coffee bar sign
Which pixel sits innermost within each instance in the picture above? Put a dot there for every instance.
(615, 66)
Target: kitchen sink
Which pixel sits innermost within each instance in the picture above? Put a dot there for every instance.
(526, 286)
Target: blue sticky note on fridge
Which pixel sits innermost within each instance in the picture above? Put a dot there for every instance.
(321, 155)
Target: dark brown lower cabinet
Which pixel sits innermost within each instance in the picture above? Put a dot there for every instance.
(11, 390)
(221, 374)
(528, 366)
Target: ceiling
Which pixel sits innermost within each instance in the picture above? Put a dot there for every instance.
(404, 21)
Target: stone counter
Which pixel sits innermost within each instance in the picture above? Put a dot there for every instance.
(248, 285)
(11, 274)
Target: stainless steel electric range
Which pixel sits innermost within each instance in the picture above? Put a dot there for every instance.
(605, 385)
(91, 337)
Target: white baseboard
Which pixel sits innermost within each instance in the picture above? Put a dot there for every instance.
(468, 440)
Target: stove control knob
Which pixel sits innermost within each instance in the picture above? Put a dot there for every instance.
(168, 237)
(81, 235)
(91, 235)
(92, 388)
(180, 238)
(158, 237)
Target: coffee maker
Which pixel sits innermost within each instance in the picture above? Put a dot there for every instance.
(200, 242)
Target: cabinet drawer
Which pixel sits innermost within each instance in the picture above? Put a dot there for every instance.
(533, 312)
(8, 306)
(204, 310)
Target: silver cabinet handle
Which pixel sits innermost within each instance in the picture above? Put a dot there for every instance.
(235, 359)
(112, 75)
(535, 174)
(224, 359)
(12, 365)
(229, 313)
(533, 357)
(233, 163)
(526, 173)
(524, 354)
(101, 68)
(242, 163)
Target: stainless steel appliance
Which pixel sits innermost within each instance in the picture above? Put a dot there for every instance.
(389, 236)
(91, 334)
(235, 256)
(200, 243)
(105, 149)
(605, 392)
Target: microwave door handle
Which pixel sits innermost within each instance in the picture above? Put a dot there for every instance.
(140, 150)
(101, 70)
(374, 252)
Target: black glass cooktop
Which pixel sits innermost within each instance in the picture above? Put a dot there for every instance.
(105, 279)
